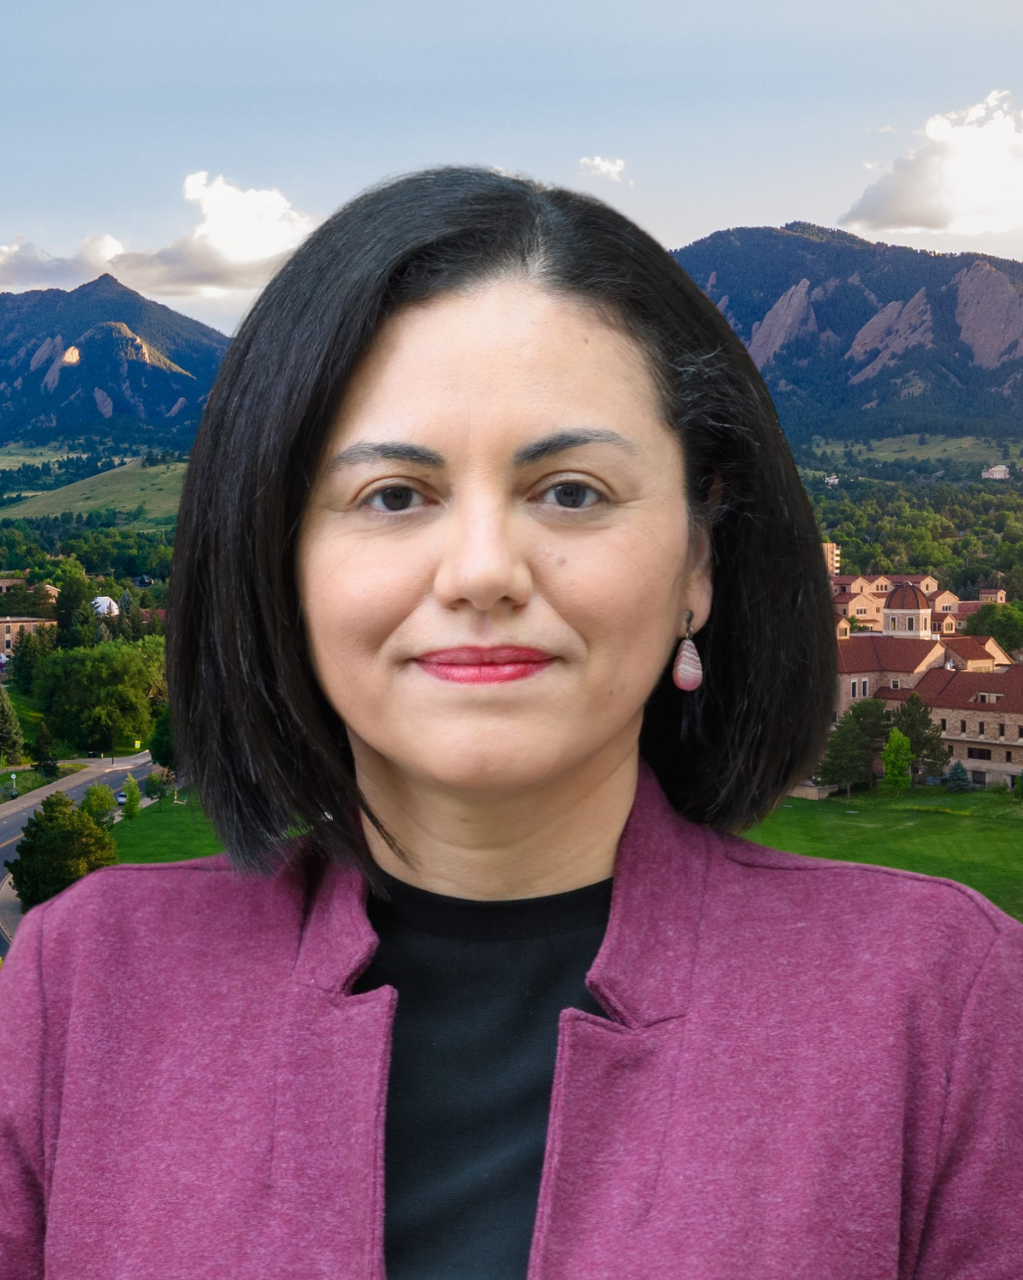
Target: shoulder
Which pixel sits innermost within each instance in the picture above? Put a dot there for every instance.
(121, 912)
(936, 922)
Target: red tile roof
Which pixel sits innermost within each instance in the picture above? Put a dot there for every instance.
(872, 651)
(953, 690)
(975, 648)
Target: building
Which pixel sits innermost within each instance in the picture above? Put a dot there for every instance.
(867, 663)
(10, 628)
(832, 558)
(998, 472)
(980, 714)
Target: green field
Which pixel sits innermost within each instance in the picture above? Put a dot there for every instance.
(123, 489)
(17, 454)
(978, 843)
(178, 833)
(972, 449)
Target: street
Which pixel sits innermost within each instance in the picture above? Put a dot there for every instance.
(14, 815)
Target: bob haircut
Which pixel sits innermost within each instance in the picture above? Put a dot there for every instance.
(254, 733)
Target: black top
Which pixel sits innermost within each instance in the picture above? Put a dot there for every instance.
(480, 986)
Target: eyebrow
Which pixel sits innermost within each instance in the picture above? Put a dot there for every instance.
(545, 447)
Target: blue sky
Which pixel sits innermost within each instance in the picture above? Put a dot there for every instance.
(186, 147)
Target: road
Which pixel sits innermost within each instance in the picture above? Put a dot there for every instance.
(14, 814)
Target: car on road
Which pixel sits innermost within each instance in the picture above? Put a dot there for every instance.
(121, 798)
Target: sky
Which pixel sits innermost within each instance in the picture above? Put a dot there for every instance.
(188, 147)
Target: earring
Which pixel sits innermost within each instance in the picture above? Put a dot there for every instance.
(687, 671)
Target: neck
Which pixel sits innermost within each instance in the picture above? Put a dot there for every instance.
(548, 838)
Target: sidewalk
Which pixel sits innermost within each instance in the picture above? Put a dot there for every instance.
(94, 771)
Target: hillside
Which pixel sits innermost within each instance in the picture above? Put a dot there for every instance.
(856, 339)
(102, 359)
(125, 488)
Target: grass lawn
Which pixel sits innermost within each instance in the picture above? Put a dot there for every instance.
(29, 715)
(123, 488)
(181, 831)
(29, 779)
(978, 843)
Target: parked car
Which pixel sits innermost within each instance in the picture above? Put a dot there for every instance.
(121, 798)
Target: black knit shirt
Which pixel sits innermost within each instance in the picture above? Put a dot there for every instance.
(480, 987)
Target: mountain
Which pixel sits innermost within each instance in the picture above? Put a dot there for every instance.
(99, 357)
(856, 339)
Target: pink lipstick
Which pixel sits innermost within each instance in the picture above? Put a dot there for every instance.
(473, 665)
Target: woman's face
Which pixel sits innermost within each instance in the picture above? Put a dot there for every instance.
(499, 476)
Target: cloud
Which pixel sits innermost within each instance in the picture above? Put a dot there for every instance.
(966, 178)
(243, 237)
(601, 168)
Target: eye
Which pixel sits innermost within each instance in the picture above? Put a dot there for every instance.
(393, 498)
(573, 495)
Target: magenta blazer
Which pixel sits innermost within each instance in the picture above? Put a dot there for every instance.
(809, 1070)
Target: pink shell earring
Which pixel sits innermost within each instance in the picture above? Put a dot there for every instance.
(687, 671)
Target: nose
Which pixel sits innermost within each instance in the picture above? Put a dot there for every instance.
(482, 562)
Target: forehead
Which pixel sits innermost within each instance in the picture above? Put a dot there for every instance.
(504, 354)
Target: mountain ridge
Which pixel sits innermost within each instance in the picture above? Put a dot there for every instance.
(857, 339)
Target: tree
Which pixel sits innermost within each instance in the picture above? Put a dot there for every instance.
(161, 744)
(929, 753)
(99, 803)
(60, 845)
(43, 755)
(76, 620)
(93, 695)
(875, 720)
(11, 742)
(957, 779)
(847, 757)
(28, 651)
(897, 757)
(157, 786)
(132, 805)
(1003, 621)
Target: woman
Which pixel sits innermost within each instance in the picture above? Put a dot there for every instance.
(498, 610)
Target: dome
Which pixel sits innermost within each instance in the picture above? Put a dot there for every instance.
(904, 595)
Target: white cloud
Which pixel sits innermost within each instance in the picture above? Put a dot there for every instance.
(241, 240)
(601, 168)
(965, 179)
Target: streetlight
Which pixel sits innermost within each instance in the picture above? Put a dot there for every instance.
(14, 786)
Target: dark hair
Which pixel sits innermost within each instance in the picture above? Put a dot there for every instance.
(254, 732)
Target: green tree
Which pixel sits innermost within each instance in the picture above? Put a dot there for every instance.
(1003, 621)
(913, 718)
(847, 757)
(957, 779)
(43, 756)
(99, 803)
(111, 690)
(897, 757)
(874, 718)
(161, 744)
(132, 806)
(76, 620)
(60, 845)
(157, 786)
(11, 742)
(28, 651)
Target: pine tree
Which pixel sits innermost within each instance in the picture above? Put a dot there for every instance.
(897, 757)
(60, 845)
(43, 755)
(913, 718)
(874, 718)
(957, 778)
(11, 741)
(847, 758)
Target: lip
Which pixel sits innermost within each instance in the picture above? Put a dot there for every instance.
(477, 665)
